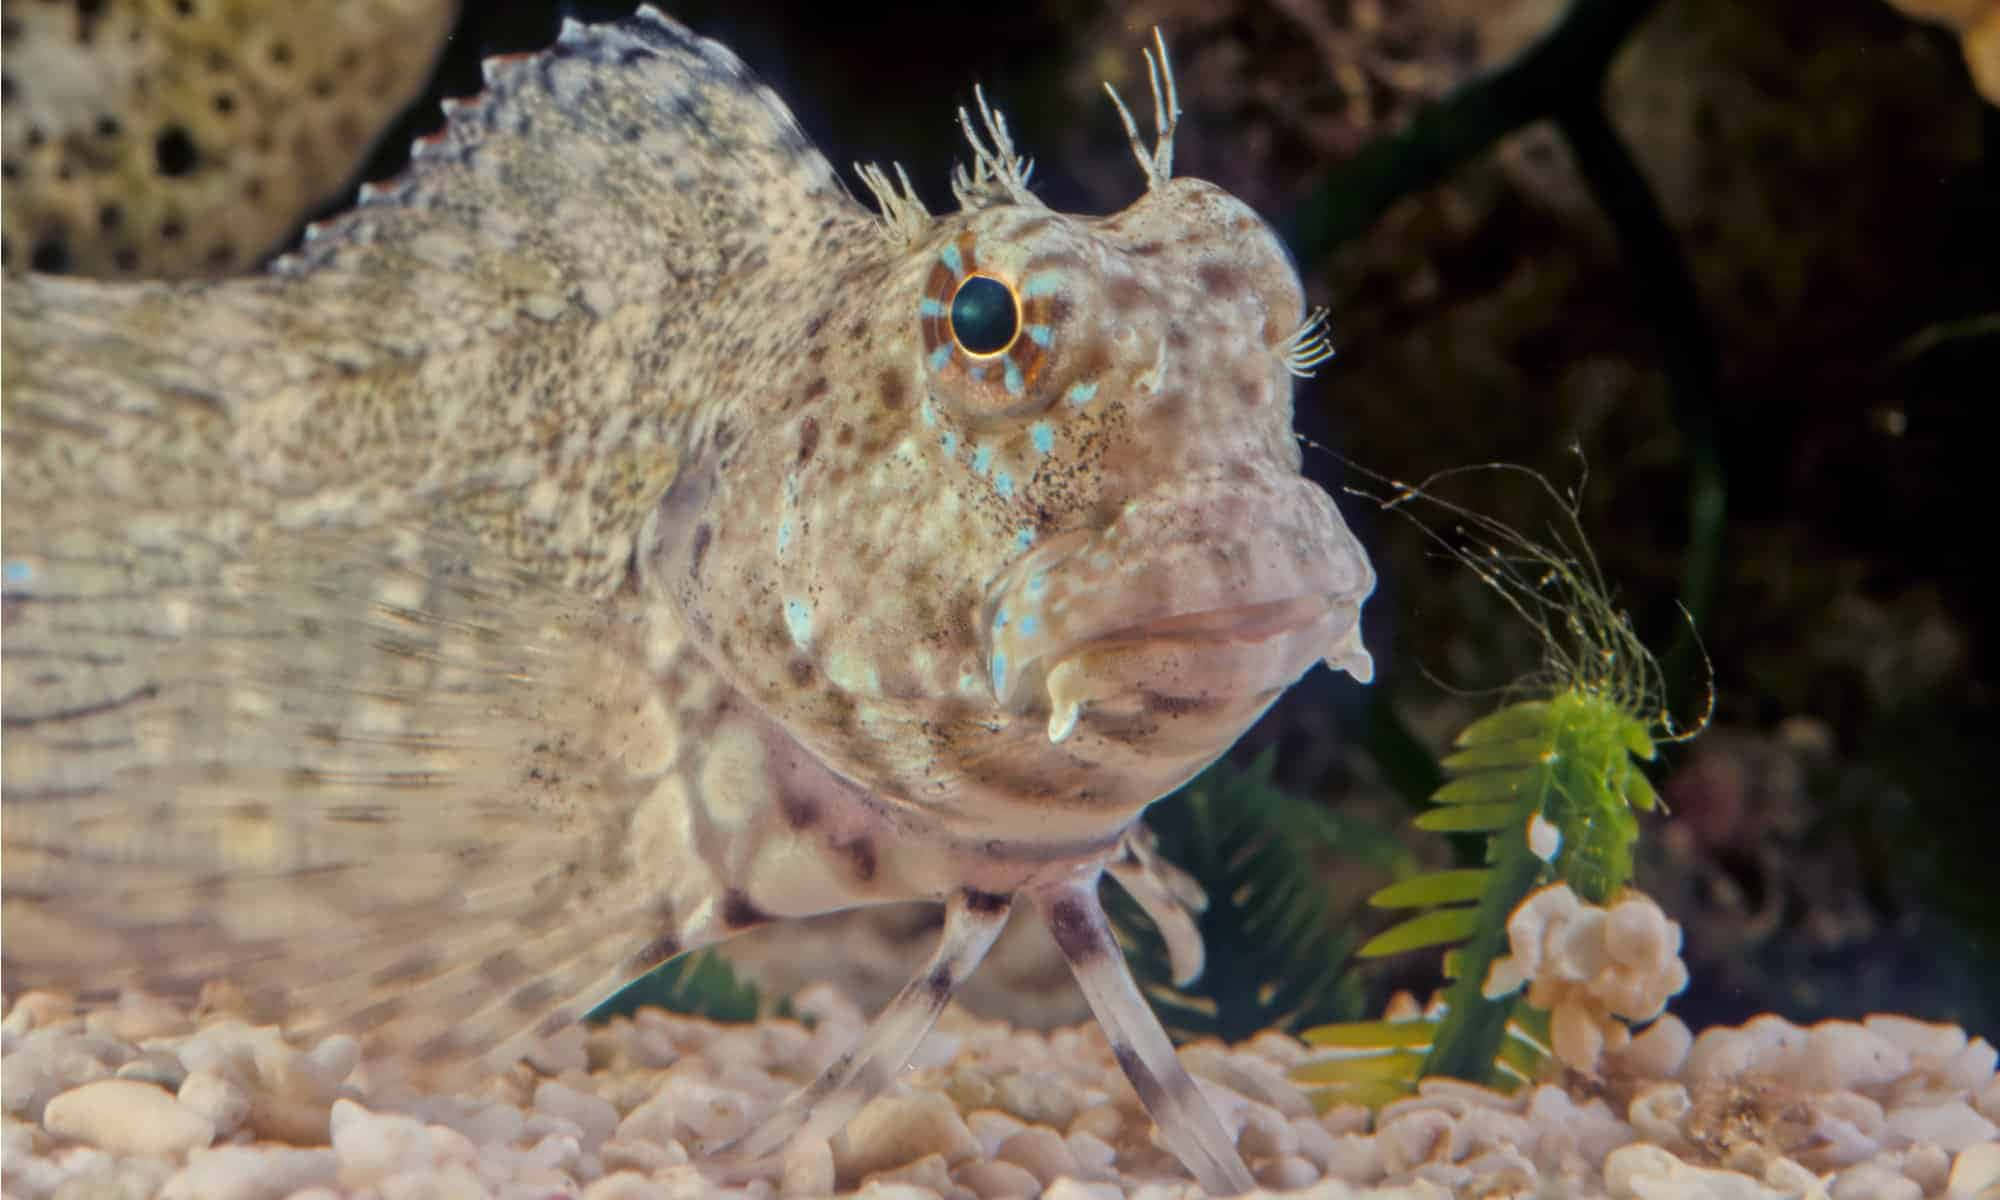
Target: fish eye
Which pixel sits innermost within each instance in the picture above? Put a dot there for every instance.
(985, 316)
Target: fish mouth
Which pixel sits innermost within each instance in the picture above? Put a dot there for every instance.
(1213, 594)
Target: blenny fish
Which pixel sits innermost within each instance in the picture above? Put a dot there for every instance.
(610, 536)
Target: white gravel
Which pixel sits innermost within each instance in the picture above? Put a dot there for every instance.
(148, 1101)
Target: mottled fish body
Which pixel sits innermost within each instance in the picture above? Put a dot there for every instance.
(611, 536)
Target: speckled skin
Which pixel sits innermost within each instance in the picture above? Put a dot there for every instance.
(154, 139)
(596, 544)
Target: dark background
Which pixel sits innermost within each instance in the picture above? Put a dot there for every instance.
(1752, 271)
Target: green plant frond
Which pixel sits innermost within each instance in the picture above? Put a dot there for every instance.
(1389, 1066)
(1439, 887)
(1438, 927)
(1366, 1056)
(1522, 721)
(1367, 1095)
(1489, 786)
(699, 984)
(1373, 1035)
(1553, 779)
(1278, 950)
(1514, 752)
(1475, 818)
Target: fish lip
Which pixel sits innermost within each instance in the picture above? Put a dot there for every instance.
(1253, 621)
(1196, 562)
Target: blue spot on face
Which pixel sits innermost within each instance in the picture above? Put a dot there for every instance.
(1024, 538)
(1029, 624)
(1041, 334)
(949, 257)
(17, 571)
(784, 535)
(940, 356)
(1000, 618)
(999, 672)
(1014, 381)
(798, 621)
(1037, 582)
(1003, 482)
(930, 308)
(982, 459)
(1044, 436)
(1081, 394)
(929, 412)
(1041, 283)
(949, 441)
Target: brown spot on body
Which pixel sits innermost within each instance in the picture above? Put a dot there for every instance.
(1126, 296)
(1219, 279)
(1076, 934)
(895, 389)
(655, 952)
(738, 912)
(815, 389)
(801, 671)
(437, 1048)
(801, 812)
(407, 969)
(702, 536)
(940, 984)
(503, 968)
(861, 854)
(554, 1023)
(986, 902)
(532, 997)
(808, 439)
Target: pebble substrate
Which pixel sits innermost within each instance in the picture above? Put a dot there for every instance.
(146, 1098)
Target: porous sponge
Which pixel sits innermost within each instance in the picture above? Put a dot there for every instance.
(1589, 966)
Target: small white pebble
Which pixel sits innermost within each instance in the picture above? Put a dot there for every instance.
(992, 1127)
(807, 1168)
(156, 1066)
(993, 1180)
(1416, 1137)
(594, 1117)
(1266, 1134)
(1870, 1181)
(624, 1185)
(1841, 1054)
(1073, 1189)
(1354, 1158)
(1041, 1151)
(1037, 1097)
(224, 1104)
(1645, 1172)
(127, 1117)
(1093, 1154)
(1657, 1111)
(1953, 1125)
(1283, 1174)
(892, 1130)
(1921, 1039)
(250, 1173)
(647, 1158)
(1102, 1120)
(928, 1173)
(1976, 1171)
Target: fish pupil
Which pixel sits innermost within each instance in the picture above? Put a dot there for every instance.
(984, 317)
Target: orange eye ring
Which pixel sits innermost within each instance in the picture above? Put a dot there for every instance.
(984, 316)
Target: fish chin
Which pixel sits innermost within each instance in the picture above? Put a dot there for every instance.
(1184, 618)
